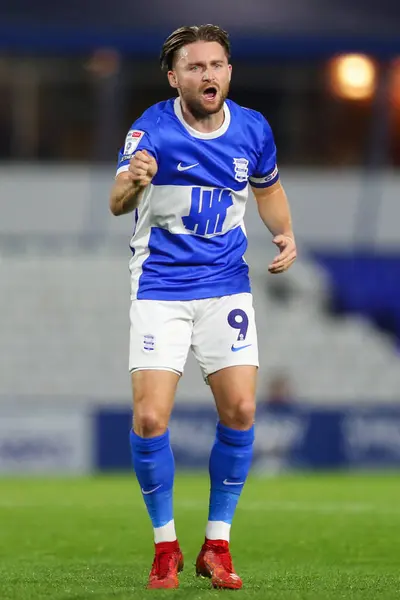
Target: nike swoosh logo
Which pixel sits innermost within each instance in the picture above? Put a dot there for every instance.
(151, 491)
(237, 348)
(226, 482)
(186, 168)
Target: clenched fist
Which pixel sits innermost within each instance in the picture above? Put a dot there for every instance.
(142, 168)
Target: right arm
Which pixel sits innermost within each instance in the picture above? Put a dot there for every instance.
(128, 186)
(124, 195)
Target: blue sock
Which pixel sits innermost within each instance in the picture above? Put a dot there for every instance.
(229, 466)
(154, 466)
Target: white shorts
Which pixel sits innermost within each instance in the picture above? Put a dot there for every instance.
(220, 331)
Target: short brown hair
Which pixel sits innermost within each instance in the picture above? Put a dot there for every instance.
(188, 35)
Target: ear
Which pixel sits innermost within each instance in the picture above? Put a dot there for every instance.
(173, 81)
(230, 71)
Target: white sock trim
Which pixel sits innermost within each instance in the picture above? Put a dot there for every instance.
(166, 533)
(218, 530)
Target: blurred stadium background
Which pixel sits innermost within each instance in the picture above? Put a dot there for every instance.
(73, 77)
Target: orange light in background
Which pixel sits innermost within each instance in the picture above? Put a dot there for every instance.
(353, 76)
(104, 62)
(395, 84)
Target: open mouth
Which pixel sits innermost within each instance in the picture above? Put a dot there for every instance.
(210, 93)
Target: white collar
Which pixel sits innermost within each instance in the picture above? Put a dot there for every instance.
(198, 134)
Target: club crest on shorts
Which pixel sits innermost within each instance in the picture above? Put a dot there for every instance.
(149, 342)
(241, 169)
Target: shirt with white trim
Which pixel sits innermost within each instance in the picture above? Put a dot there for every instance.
(189, 238)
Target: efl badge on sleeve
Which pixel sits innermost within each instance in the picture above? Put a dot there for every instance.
(132, 141)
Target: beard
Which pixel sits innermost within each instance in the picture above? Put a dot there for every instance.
(199, 106)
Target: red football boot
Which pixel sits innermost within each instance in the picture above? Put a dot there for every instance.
(167, 563)
(215, 561)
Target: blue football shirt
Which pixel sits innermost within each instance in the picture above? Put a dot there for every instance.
(189, 238)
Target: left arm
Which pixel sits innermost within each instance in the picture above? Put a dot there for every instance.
(274, 210)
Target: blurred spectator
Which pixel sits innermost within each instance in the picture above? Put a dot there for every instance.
(277, 425)
(279, 392)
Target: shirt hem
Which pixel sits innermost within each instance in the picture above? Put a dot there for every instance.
(215, 292)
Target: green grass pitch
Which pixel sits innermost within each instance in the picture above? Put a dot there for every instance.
(303, 537)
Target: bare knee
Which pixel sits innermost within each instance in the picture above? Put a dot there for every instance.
(148, 422)
(239, 415)
(153, 398)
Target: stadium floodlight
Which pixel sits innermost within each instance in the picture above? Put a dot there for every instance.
(353, 76)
